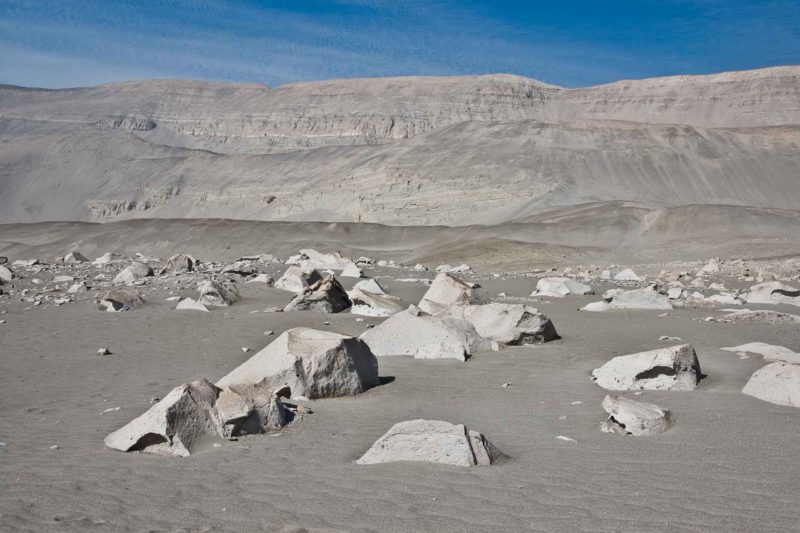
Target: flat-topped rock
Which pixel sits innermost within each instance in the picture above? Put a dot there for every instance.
(512, 324)
(629, 417)
(432, 441)
(777, 383)
(673, 368)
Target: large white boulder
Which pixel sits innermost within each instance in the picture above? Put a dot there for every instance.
(646, 298)
(370, 285)
(777, 383)
(370, 304)
(312, 363)
(178, 264)
(116, 300)
(673, 368)
(295, 279)
(432, 441)
(411, 332)
(217, 294)
(770, 352)
(558, 287)
(325, 296)
(506, 323)
(445, 291)
(351, 270)
(133, 272)
(629, 417)
(196, 410)
(772, 292)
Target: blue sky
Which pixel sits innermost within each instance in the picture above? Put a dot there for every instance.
(573, 43)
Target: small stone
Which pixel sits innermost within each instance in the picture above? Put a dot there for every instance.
(268, 333)
(54, 447)
(103, 351)
(245, 349)
(506, 385)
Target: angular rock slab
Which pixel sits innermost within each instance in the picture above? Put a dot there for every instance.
(133, 272)
(195, 410)
(629, 417)
(75, 257)
(325, 296)
(770, 352)
(772, 292)
(558, 287)
(217, 294)
(6, 274)
(425, 337)
(312, 363)
(512, 324)
(116, 300)
(432, 441)
(178, 264)
(295, 279)
(777, 383)
(647, 298)
(366, 303)
(188, 304)
(673, 368)
(445, 291)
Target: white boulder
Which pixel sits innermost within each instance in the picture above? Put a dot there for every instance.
(295, 279)
(369, 304)
(351, 270)
(6, 274)
(75, 257)
(412, 333)
(116, 300)
(133, 272)
(445, 291)
(178, 264)
(312, 363)
(772, 292)
(626, 275)
(558, 287)
(432, 441)
(370, 285)
(629, 417)
(646, 298)
(325, 296)
(188, 304)
(770, 352)
(673, 368)
(217, 294)
(512, 324)
(777, 383)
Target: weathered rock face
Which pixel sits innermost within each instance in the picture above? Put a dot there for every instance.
(295, 279)
(75, 257)
(196, 410)
(325, 296)
(217, 294)
(629, 417)
(120, 299)
(773, 292)
(777, 383)
(674, 368)
(506, 323)
(557, 287)
(445, 291)
(432, 441)
(134, 272)
(425, 337)
(6, 274)
(369, 304)
(312, 363)
(178, 264)
(647, 298)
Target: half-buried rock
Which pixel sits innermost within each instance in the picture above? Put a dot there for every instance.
(117, 300)
(217, 294)
(445, 291)
(133, 272)
(432, 441)
(372, 304)
(411, 332)
(674, 368)
(777, 383)
(646, 298)
(628, 417)
(176, 424)
(506, 323)
(312, 363)
(325, 296)
(559, 287)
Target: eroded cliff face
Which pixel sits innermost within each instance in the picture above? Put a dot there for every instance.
(484, 149)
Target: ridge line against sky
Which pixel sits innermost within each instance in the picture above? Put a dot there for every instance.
(50, 43)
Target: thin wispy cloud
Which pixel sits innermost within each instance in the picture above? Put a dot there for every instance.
(56, 44)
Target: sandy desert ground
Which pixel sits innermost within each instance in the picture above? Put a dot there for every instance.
(728, 464)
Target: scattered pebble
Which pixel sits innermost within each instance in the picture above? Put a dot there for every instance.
(506, 385)
(54, 447)
(103, 351)
(567, 439)
(245, 349)
(269, 332)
